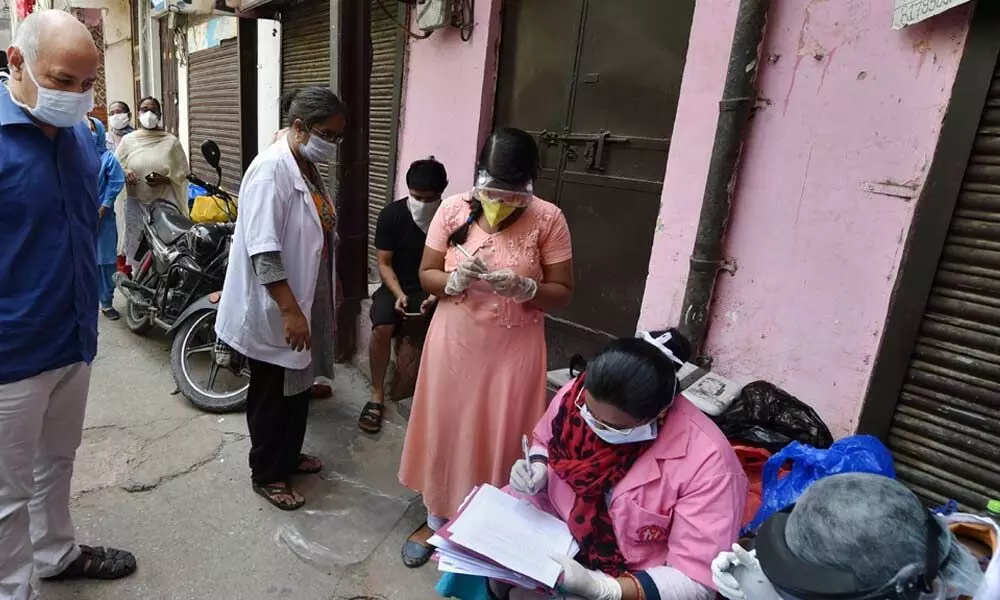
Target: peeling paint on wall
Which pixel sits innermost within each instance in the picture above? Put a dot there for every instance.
(211, 33)
(825, 193)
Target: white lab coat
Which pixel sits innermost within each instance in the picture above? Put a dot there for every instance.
(276, 213)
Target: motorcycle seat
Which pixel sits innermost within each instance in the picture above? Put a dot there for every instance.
(168, 222)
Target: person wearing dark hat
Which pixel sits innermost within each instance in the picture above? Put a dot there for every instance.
(853, 536)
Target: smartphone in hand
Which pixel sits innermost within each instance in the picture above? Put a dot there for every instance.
(413, 305)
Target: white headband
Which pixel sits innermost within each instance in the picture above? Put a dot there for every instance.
(661, 344)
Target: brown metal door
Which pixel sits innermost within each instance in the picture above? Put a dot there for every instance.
(214, 112)
(168, 78)
(597, 83)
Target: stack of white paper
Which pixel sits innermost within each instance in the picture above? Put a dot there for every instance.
(498, 536)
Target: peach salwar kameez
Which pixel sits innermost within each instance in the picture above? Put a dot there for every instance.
(482, 382)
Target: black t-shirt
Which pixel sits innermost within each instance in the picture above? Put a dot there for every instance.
(397, 233)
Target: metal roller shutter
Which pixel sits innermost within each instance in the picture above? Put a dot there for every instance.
(214, 113)
(305, 45)
(383, 116)
(945, 434)
(170, 96)
(305, 50)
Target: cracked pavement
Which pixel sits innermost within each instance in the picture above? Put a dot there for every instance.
(158, 477)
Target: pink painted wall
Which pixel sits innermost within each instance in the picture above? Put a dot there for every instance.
(448, 98)
(849, 104)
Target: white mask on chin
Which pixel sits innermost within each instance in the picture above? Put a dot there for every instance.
(422, 212)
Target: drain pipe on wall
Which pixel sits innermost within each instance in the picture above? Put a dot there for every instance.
(735, 109)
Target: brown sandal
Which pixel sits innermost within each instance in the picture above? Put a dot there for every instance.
(308, 465)
(319, 391)
(370, 420)
(274, 492)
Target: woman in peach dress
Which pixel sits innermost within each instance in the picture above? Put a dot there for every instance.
(498, 258)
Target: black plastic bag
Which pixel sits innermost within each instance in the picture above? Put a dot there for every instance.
(768, 417)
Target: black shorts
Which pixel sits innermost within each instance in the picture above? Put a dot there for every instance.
(384, 308)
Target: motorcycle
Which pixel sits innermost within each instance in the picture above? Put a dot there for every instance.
(177, 287)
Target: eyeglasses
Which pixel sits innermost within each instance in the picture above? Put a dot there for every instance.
(334, 137)
(581, 405)
(517, 199)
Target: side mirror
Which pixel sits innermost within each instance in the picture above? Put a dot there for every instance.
(210, 150)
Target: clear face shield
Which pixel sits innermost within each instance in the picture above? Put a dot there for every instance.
(490, 190)
(794, 579)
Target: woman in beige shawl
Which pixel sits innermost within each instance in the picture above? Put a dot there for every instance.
(155, 168)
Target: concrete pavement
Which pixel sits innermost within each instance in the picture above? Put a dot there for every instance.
(158, 477)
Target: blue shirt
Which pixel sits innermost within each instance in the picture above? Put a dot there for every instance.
(48, 234)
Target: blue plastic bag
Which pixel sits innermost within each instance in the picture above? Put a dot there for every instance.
(195, 190)
(856, 454)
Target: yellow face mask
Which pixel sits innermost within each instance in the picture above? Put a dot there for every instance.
(496, 212)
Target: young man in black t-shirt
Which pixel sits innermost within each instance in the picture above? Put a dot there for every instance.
(400, 236)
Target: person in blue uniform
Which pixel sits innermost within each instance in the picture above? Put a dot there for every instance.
(110, 181)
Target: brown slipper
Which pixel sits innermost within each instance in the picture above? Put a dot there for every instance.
(279, 494)
(308, 465)
(320, 391)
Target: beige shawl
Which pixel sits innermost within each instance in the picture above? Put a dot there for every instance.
(146, 151)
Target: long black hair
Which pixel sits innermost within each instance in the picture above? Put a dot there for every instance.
(510, 156)
(635, 376)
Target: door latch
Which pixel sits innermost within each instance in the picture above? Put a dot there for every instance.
(595, 145)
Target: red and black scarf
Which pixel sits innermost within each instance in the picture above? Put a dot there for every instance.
(591, 467)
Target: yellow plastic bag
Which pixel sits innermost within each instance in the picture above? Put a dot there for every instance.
(209, 209)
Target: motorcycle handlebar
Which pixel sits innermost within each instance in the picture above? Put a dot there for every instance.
(211, 189)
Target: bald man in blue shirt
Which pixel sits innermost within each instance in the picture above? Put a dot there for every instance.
(48, 300)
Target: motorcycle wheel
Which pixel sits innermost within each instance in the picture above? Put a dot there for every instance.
(137, 319)
(197, 337)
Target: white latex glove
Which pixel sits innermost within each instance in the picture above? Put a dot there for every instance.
(468, 271)
(511, 285)
(529, 478)
(581, 581)
(738, 576)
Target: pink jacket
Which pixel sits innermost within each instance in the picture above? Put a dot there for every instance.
(680, 504)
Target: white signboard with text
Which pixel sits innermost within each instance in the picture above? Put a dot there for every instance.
(908, 12)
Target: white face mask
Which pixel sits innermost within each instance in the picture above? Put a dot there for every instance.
(149, 120)
(58, 108)
(317, 150)
(634, 435)
(118, 121)
(422, 212)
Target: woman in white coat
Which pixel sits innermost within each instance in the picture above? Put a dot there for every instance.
(278, 298)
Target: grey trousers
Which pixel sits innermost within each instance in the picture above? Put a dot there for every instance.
(41, 426)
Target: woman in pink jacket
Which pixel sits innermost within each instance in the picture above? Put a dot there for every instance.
(648, 485)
